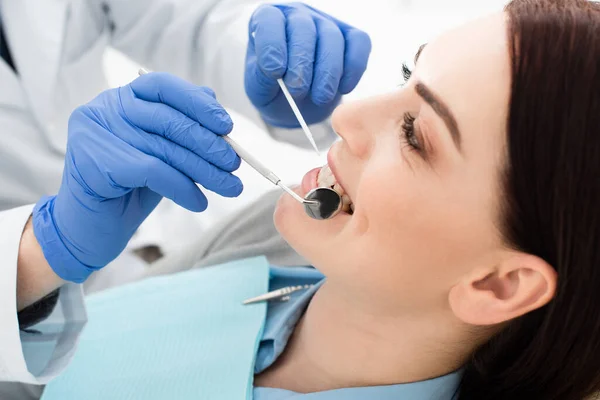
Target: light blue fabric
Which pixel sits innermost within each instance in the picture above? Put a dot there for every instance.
(186, 336)
(441, 388)
(282, 318)
(182, 336)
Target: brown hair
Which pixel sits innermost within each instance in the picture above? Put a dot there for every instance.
(552, 208)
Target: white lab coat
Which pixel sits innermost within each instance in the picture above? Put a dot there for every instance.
(57, 47)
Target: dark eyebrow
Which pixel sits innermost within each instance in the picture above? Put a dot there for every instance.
(440, 109)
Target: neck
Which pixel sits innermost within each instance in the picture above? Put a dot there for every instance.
(337, 345)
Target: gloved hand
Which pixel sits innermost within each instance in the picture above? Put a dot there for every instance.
(319, 58)
(127, 149)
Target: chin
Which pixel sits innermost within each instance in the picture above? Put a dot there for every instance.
(295, 228)
(290, 219)
(310, 238)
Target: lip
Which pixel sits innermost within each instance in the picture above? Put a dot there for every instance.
(309, 181)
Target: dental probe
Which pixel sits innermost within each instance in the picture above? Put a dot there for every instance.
(297, 112)
(264, 171)
(321, 203)
(298, 115)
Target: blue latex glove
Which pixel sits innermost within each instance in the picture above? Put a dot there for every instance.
(126, 149)
(319, 58)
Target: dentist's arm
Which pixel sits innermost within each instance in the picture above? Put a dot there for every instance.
(128, 148)
(35, 277)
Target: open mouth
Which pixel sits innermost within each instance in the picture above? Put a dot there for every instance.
(326, 178)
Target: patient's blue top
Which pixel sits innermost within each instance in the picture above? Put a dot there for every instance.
(281, 319)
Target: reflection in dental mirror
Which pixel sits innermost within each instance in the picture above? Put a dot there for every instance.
(328, 206)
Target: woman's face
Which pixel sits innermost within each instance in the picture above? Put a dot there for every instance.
(422, 167)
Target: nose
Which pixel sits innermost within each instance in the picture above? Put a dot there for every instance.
(357, 123)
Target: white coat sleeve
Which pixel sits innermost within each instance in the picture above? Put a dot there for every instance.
(204, 41)
(41, 353)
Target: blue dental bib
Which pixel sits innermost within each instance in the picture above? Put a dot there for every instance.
(179, 337)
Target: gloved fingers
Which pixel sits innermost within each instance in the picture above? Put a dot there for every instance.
(186, 162)
(209, 91)
(171, 124)
(302, 43)
(358, 49)
(329, 64)
(266, 59)
(194, 101)
(260, 89)
(267, 28)
(340, 24)
(153, 173)
(172, 184)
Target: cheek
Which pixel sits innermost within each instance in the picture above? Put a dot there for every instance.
(420, 232)
(388, 191)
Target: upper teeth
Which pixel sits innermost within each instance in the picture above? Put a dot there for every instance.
(326, 179)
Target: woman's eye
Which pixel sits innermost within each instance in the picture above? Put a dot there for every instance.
(408, 132)
(406, 72)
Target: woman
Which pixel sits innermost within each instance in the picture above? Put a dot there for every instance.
(470, 262)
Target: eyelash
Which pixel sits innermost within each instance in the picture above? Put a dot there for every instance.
(408, 132)
(406, 72)
(408, 125)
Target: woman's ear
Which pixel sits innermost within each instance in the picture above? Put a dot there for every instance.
(519, 284)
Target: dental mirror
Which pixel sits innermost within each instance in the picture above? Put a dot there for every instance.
(328, 203)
